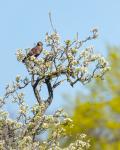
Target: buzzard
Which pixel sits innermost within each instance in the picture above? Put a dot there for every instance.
(35, 51)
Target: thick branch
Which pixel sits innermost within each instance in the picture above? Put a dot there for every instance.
(36, 92)
(50, 91)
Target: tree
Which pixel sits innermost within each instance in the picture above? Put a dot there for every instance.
(99, 111)
(57, 63)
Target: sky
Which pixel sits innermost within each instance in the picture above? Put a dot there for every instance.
(24, 22)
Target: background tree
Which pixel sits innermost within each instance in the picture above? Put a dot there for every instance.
(58, 62)
(97, 114)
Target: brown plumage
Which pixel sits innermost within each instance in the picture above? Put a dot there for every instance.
(35, 51)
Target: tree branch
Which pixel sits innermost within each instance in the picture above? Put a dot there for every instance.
(34, 86)
(50, 91)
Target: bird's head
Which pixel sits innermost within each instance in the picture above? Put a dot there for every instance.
(39, 44)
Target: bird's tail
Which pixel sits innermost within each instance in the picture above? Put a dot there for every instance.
(24, 60)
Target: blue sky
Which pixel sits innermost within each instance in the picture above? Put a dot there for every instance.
(24, 22)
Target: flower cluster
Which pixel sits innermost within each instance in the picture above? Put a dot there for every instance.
(20, 55)
(49, 39)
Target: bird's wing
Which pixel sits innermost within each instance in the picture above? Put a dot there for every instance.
(32, 51)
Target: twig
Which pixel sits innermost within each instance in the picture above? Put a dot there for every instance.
(51, 22)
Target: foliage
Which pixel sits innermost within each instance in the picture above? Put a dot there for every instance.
(59, 63)
(97, 114)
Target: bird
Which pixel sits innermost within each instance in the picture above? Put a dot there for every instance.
(35, 51)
